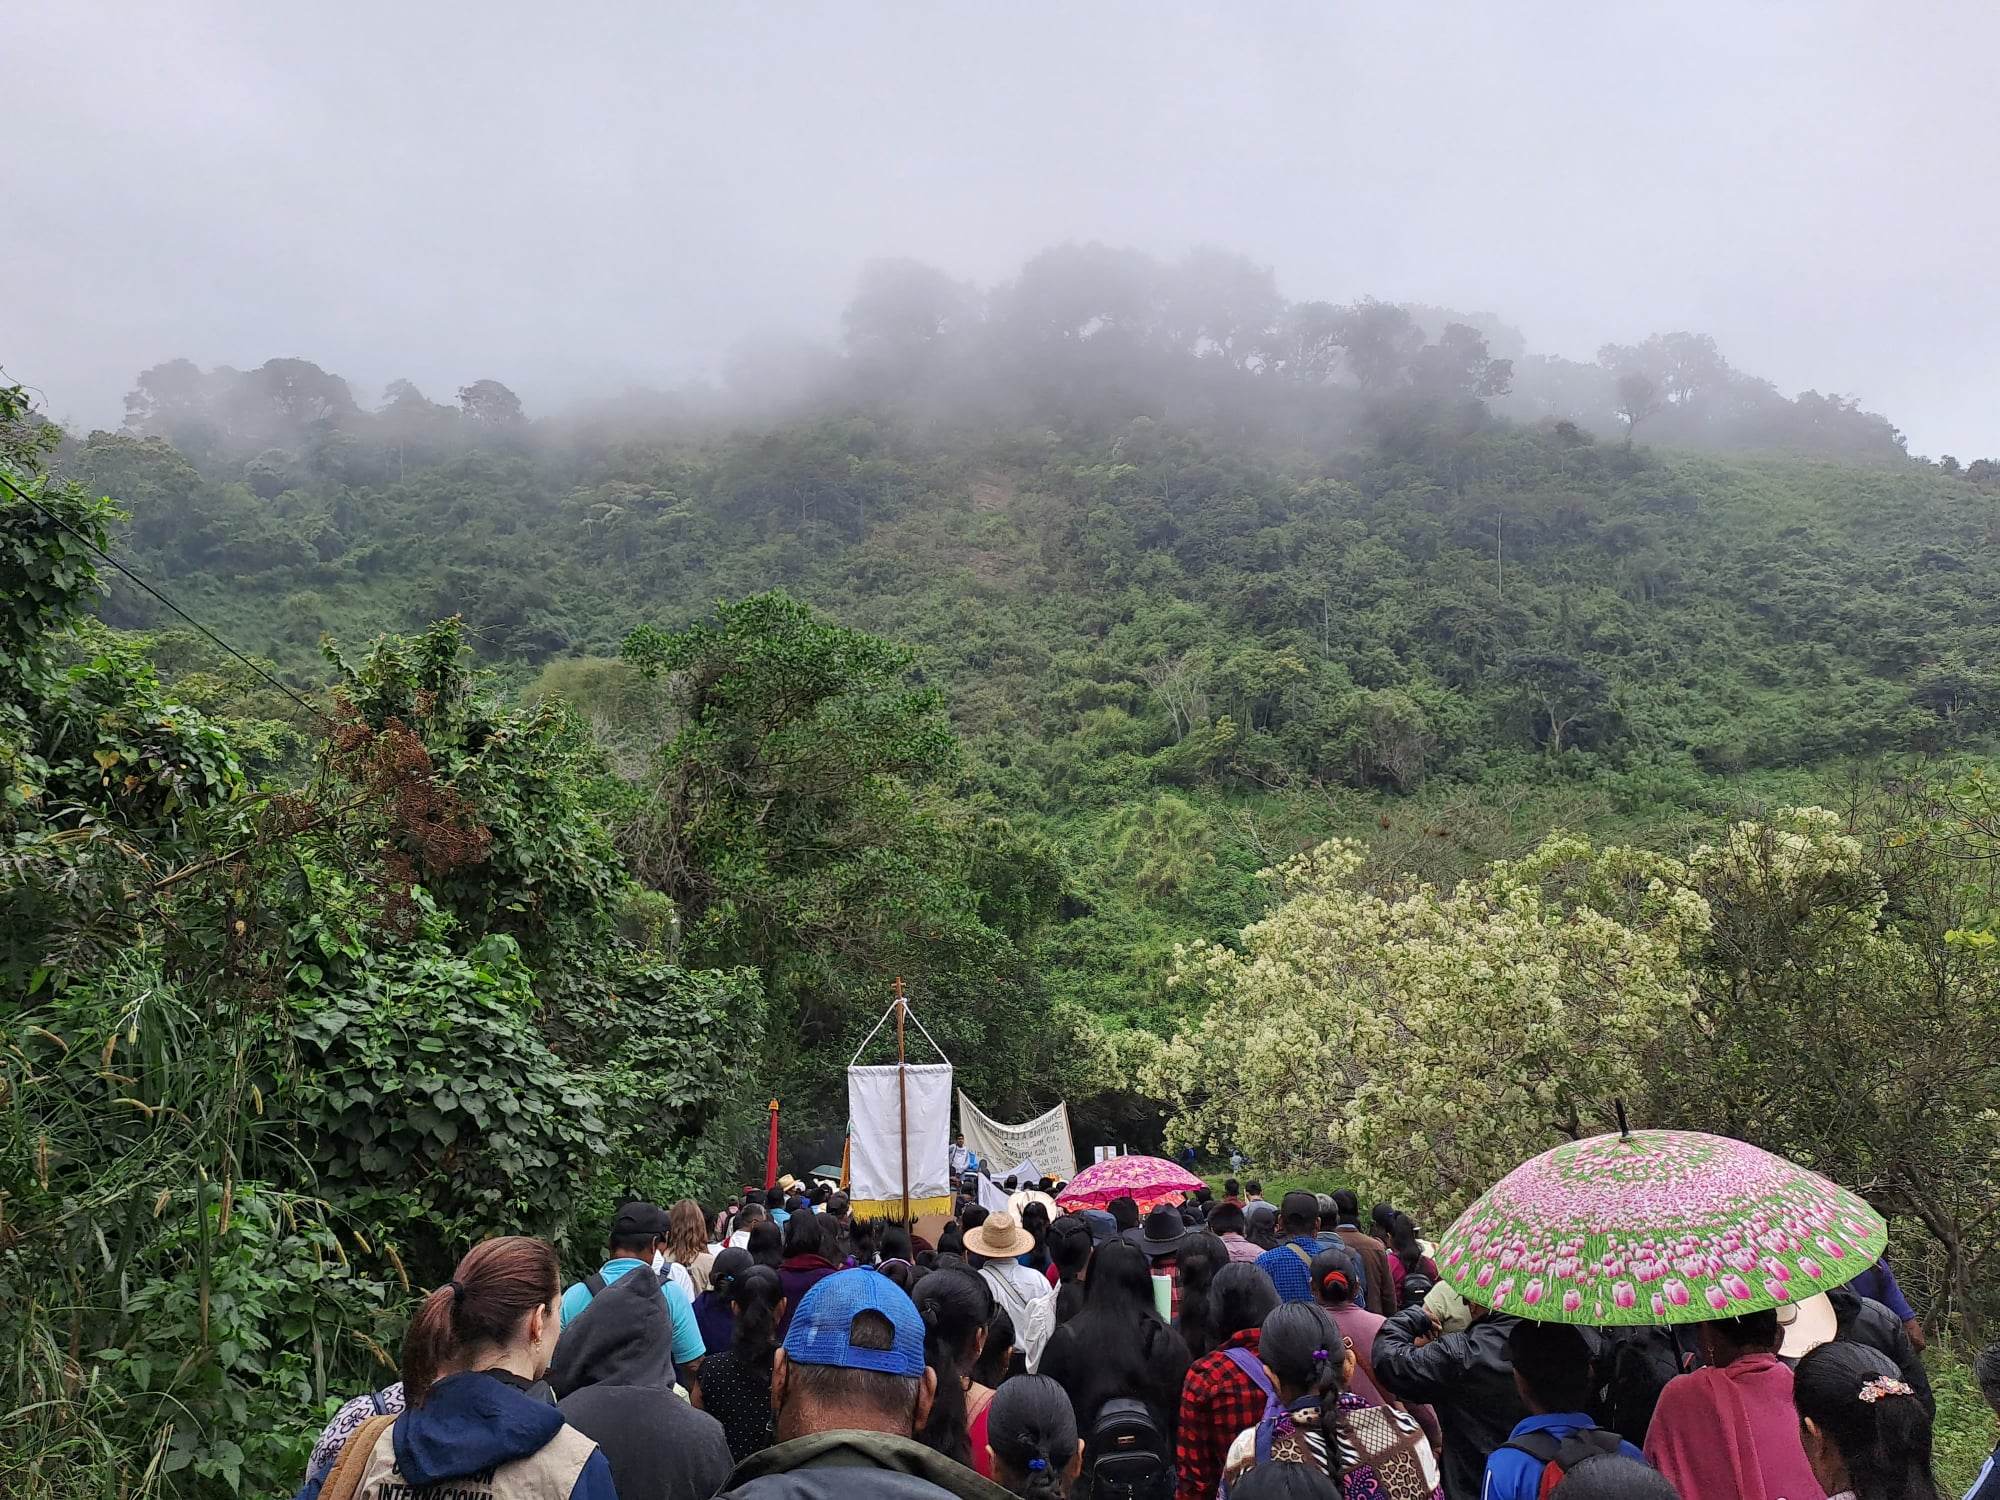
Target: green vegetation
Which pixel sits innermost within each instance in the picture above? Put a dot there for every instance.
(1047, 622)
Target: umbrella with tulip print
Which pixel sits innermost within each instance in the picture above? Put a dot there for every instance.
(1657, 1226)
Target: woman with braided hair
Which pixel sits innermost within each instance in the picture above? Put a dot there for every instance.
(1370, 1452)
(1031, 1442)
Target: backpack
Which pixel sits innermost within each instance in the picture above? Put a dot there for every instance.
(1558, 1456)
(1128, 1455)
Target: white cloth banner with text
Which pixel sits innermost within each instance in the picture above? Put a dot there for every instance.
(875, 1163)
(1044, 1139)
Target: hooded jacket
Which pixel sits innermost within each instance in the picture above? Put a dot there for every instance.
(1467, 1377)
(613, 1376)
(491, 1442)
(856, 1466)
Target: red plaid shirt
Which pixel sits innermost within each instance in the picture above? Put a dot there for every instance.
(1217, 1401)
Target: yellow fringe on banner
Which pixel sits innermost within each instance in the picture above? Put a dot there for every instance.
(892, 1208)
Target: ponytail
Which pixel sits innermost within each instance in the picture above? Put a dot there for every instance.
(1861, 1405)
(1305, 1351)
(955, 1305)
(754, 1295)
(1031, 1428)
(496, 1286)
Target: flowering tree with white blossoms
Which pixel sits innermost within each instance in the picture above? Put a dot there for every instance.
(1438, 1037)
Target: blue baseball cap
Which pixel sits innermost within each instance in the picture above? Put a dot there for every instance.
(822, 1327)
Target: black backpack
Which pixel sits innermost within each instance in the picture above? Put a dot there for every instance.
(1128, 1456)
(1417, 1284)
(1558, 1456)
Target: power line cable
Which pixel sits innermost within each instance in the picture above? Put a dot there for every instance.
(56, 520)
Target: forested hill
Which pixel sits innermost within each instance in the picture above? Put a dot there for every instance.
(1178, 645)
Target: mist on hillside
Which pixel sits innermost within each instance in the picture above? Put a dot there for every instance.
(665, 213)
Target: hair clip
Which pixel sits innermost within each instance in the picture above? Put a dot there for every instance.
(1884, 1385)
(1319, 1354)
(1036, 1465)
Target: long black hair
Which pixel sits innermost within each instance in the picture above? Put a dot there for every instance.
(767, 1243)
(1403, 1240)
(955, 1305)
(808, 1233)
(1118, 1291)
(754, 1295)
(1857, 1399)
(1200, 1257)
(1031, 1428)
(1069, 1249)
(1241, 1296)
(1302, 1347)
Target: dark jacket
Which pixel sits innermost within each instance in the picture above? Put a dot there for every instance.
(856, 1466)
(614, 1379)
(1862, 1320)
(1466, 1377)
(475, 1422)
(1632, 1367)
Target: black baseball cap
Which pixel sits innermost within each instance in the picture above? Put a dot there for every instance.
(638, 1221)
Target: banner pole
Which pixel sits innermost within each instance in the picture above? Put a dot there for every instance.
(902, 1098)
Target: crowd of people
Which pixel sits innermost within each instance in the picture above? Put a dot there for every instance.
(1225, 1348)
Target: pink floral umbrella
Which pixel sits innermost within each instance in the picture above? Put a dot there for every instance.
(1657, 1226)
(1149, 1180)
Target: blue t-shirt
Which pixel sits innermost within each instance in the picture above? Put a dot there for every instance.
(1289, 1273)
(688, 1346)
(1514, 1475)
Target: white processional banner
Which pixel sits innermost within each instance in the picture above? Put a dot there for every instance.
(875, 1161)
(1045, 1140)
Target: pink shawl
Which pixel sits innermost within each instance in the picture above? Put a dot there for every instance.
(1732, 1434)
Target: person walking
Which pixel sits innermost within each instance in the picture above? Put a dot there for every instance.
(1118, 1346)
(1231, 1225)
(1369, 1451)
(1466, 1377)
(995, 1247)
(734, 1385)
(956, 1305)
(1227, 1388)
(1730, 1429)
(1552, 1371)
(850, 1388)
(637, 1233)
(475, 1346)
(812, 1253)
(613, 1375)
(688, 1246)
(1289, 1263)
(1864, 1430)
(1381, 1293)
(1032, 1441)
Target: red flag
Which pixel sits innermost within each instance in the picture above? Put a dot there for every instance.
(771, 1156)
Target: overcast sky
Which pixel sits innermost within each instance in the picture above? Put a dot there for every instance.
(574, 197)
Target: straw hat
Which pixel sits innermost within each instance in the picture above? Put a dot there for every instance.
(999, 1237)
(788, 1182)
(1806, 1325)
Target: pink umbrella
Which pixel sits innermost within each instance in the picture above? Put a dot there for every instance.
(1148, 1180)
(1657, 1226)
